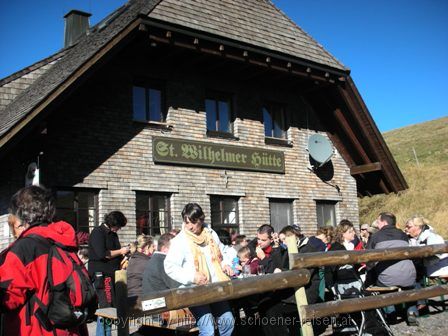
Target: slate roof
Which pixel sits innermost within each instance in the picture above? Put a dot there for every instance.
(13, 85)
(256, 22)
(74, 59)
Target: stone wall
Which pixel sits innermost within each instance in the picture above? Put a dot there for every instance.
(92, 142)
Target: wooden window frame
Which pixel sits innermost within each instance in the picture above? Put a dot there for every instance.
(76, 209)
(216, 97)
(221, 199)
(151, 85)
(271, 108)
(326, 203)
(290, 202)
(152, 229)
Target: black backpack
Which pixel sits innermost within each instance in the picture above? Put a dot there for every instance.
(72, 299)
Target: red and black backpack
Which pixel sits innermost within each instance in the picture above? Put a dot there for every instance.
(72, 299)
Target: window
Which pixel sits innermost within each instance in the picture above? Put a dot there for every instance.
(326, 213)
(224, 213)
(153, 213)
(78, 207)
(274, 119)
(219, 114)
(281, 213)
(148, 103)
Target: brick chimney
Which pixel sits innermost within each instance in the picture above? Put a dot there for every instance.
(76, 25)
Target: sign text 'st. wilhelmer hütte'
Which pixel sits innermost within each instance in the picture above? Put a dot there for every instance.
(213, 155)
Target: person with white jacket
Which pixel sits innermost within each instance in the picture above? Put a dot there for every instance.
(195, 258)
(418, 228)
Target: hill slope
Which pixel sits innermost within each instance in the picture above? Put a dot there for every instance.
(426, 172)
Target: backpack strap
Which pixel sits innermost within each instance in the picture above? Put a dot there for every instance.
(42, 310)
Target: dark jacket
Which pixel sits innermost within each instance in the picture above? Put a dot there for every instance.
(136, 267)
(392, 273)
(339, 273)
(23, 271)
(101, 240)
(276, 258)
(312, 288)
(155, 278)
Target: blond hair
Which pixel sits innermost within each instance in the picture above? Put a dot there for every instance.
(143, 241)
(418, 221)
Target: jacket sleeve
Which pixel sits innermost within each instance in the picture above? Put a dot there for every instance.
(175, 262)
(15, 281)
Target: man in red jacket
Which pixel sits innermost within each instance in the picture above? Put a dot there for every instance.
(23, 266)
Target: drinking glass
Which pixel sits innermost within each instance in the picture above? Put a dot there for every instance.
(260, 269)
(246, 271)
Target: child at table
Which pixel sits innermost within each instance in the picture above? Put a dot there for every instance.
(246, 258)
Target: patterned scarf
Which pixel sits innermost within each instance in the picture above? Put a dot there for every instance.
(200, 262)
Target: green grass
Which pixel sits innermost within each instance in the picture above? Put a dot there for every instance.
(428, 180)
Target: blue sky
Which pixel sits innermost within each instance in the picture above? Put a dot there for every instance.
(397, 50)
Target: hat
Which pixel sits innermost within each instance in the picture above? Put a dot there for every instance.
(365, 226)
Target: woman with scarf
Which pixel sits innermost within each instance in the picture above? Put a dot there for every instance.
(195, 258)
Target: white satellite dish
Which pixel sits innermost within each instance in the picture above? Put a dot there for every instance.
(320, 149)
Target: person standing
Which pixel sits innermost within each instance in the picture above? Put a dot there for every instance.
(24, 265)
(195, 258)
(105, 255)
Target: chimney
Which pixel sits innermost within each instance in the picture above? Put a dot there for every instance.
(76, 25)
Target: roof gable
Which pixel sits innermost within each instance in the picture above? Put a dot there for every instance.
(256, 22)
(67, 67)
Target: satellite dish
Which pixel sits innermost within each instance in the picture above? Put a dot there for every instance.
(320, 149)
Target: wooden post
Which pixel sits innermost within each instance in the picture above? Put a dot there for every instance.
(177, 298)
(301, 300)
(330, 258)
(121, 298)
(330, 308)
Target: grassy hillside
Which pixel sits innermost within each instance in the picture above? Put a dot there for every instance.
(426, 172)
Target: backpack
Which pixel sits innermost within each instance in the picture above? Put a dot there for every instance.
(72, 298)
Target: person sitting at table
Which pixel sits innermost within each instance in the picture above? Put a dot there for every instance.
(195, 258)
(389, 273)
(418, 227)
(247, 259)
(137, 263)
(267, 249)
(228, 251)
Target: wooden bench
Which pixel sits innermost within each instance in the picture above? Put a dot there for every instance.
(179, 321)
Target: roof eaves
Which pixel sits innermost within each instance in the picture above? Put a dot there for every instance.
(393, 174)
(241, 44)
